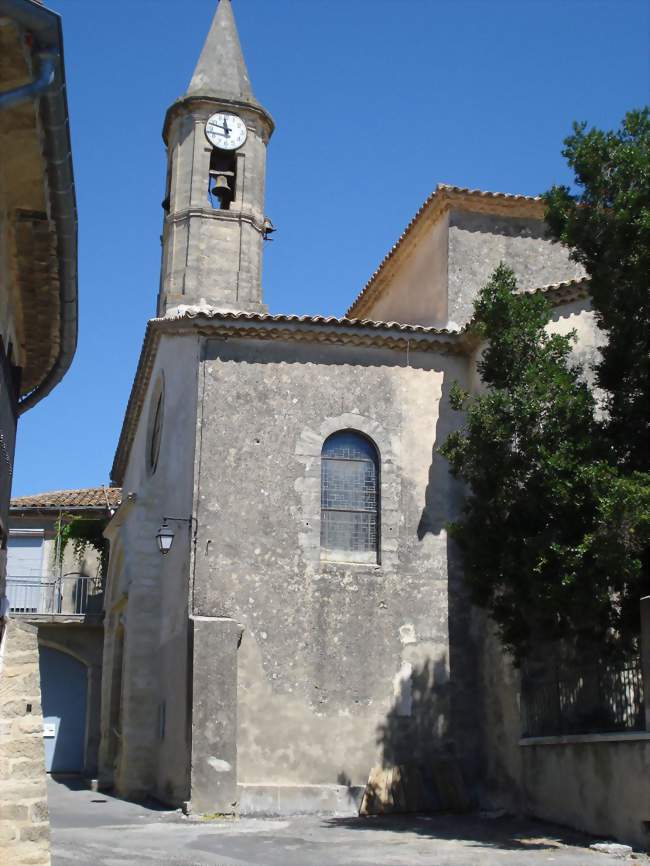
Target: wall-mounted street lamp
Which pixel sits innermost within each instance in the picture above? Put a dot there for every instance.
(165, 535)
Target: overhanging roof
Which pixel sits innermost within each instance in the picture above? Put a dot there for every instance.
(85, 498)
(47, 242)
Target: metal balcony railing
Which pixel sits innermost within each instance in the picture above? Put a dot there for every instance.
(70, 595)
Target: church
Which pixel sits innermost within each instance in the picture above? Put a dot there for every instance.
(284, 612)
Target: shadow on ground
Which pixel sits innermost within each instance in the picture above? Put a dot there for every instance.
(505, 834)
(75, 782)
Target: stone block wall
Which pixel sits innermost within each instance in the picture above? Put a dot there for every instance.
(24, 821)
(342, 666)
(479, 241)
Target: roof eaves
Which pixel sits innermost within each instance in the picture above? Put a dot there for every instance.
(325, 329)
(56, 509)
(564, 292)
(329, 329)
(45, 27)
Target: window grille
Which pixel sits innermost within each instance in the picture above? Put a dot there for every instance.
(349, 498)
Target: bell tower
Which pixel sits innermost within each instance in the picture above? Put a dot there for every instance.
(214, 225)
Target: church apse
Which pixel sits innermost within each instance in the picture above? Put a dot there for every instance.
(323, 642)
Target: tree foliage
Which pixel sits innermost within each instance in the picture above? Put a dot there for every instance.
(556, 527)
(607, 225)
(82, 533)
(552, 532)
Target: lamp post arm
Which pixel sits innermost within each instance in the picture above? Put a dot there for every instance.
(191, 521)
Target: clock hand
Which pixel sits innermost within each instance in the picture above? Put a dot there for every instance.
(226, 128)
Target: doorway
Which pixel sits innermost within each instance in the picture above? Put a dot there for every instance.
(63, 693)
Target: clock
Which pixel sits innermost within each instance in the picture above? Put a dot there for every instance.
(225, 130)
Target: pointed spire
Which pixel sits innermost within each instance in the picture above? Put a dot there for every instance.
(221, 70)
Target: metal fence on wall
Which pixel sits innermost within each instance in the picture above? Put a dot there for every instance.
(600, 698)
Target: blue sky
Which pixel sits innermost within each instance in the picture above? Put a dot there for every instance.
(478, 93)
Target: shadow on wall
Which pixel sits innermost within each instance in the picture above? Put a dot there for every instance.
(419, 771)
(443, 501)
(415, 728)
(429, 741)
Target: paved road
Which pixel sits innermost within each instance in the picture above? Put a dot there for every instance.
(91, 829)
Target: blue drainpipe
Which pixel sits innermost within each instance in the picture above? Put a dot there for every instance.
(47, 62)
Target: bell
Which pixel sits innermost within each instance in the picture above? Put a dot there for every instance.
(221, 187)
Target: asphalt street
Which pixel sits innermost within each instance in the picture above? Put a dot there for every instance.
(90, 829)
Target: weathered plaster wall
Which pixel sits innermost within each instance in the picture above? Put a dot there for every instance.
(478, 242)
(146, 643)
(503, 777)
(578, 316)
(599, 787)
(416, 291)
(341, 666)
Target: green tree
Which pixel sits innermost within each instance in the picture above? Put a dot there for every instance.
(551, 533)
(607, 226)
(82, 533)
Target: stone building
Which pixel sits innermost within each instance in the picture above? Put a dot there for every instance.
(309, 621)
(58, 588)
(38, 332)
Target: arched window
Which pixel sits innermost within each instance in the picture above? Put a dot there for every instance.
(349, 498)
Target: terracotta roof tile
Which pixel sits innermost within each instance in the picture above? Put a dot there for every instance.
(87, 497)
(194, 312)
(563, 292)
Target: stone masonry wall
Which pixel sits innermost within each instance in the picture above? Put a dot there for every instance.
(146, 625)
(24, 824)
(478, 242)
(342, 666)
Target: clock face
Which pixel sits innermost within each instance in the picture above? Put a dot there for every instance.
(225, 130)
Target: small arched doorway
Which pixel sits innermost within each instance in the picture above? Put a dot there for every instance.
(63, 694)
